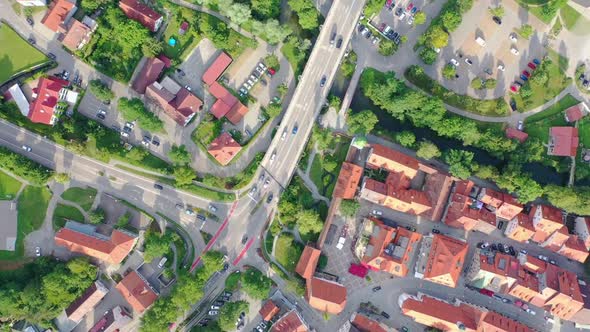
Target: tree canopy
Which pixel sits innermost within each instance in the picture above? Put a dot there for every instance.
(349, 207)
(229, 313)
(134, 109)
(101, 90)
(361, 123)
(179, 155)
(256, 284)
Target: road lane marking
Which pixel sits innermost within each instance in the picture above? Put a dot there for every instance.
(243, 252)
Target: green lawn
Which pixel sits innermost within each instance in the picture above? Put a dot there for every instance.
(536, 9)
(556, 83)
(81, 196)
(570, 16)
(16, 54)
(32, 207)
(288, 251)
(584, 131)
(184, 43)
(326, 181)
(63, 213)
(538, 125)
(9, 186)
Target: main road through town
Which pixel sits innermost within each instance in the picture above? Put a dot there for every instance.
(287, 146)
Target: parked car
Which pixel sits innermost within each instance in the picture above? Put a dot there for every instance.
(31, 40)
(536, 61)
(497, 20)
(376, 289)
(189, 212)
(512, 251)
(532, 65)
(468, 61)
(377, 212)
(514, 51)
(269, 198)
(435, 231)
(179, 206)
(212, 208)
(513, 37)
(384, 314)
(501, 67)
(215, 307)
(513, 105)
(500, 224)
(454, 62)
(201, 217)
(158, 186)
(494, 247)
(213, 313)
(30, 21)
(124, 134)
(26, 148)
(526, 73)
(51, 56)
(244, 239)
(155, 142)
(523, 77)
(520, 125)
(524, 252)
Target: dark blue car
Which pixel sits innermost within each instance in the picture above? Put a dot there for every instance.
(524, 78)
(536, 61)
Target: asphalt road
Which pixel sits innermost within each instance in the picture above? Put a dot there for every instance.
(309, 95)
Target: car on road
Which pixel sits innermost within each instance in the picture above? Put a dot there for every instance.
(323, 81)
(30, 21)
(333, 39)
(269, 198)
(189, 212)
(51, 56)
(26, 148)
(384, 314)
(377, 212)
(339, 43)
(531, 311)
(212, 208)
(37, 251)
(410, 7)
(524, 252)
(435, 231)
(512, 251)
(514, 51)
(552, 262)
(31, 40)
(295, 129)
(244, 239)
(273, 156)
(201, 217)
(497, 20)
(130, 125)
(543, 258)
(405, 329)
(213, 313)
(158, 186)
(494, 247)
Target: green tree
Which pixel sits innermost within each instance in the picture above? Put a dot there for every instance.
(133, 109)
(123, 220)
(427, 150)
(405, 138)
(101, 90)
(497, 11)
(282, 89)
(490, 83)
(61, 177)
(265, 9)
(184, 176)
(137, 154)
(239, 13)
(179, 155)
(525, 31)
(96, 216)
(449, 71)
(539, 78)
(156, 245)
(361, 123)
(477, 83)
(349, 207)
(450, 20)
(420, 18)
(460, 163)
(334, 101)
(486, 172)
(229, 313)
(272, 61)
(256, 284)
(322, 138)
(437, 37)
(387, 47)
(92, 5)
(428, 55)
(275, 32)
(151, 47)
(306, 13)
(212, 262)
(309, 222)
(273, 110)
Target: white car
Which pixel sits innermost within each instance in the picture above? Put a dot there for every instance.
(266, 183)
(215, 307)
(284, 135)
(520, 125)
(213, 313)
(273, 156)
(410, 20)
(513, 37)
(402, 16)
(37, 251)
(377, 212)
(514, 51)
(189, 212)
(501, 67)
(124, 134)
(131, 125)
(212, 208)
(26, 148)
(261, 65)
(454, 62)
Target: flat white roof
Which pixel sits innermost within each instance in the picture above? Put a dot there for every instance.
(20, 99)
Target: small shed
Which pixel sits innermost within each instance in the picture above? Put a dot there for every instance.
(183, 28)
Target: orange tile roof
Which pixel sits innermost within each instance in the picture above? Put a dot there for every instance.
(217, 68)
(269, 310)
(442, 315)
(491, 197)
(509, 208)
(445, 261)
(392, 160)
(76, 35)
(142, 13)
(365, 324)
(236, 113)
(137, 291)
(574, 248)
(520, 228)
(494, 322)
(290, 322)
(57, 13)
(47, 91)
(112, 250)
(546, 220)
(326, 296)
(308, 262)
(575, 113)
(556, 240)
(149, 73)
(224, 148)
(563, 141)
(437, 187)
(348, 181)
(521, 136)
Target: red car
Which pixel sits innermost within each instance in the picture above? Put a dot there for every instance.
(532, 66)
(410, 6)
(486, 292)
(389, 3)
(514, 88)
(271, 71)
(526, 73)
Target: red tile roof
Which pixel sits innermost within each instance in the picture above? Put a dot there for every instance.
(494, 322)
(41, 109)
(227, 104)
(141, 13)
(217, 68)
(574, 248)
(445, 261)
(564, 141)
(308, 262)
(224, 148)
(150, 72)
(180, 107)
(166, 60)
(137, 291)
(57, 13)
(112, 250)
(326, 296)
(365, 324)
(437, 187)
(236, 113)
(269, 310)
(291, 322)
(510, 208)
(219, 109)
(76, 35)
(521, 136)
(348, 181)
(392, 160)
(86, 302)
(442, 315)
(575, 113)
(523, 229)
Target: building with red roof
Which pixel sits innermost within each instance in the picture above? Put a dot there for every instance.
(82, 305)
(180, 104)
(388, 249)
(308, 262)
(576, 112)
(493, 271)
(494, 322)
(546, 220)
(563, 141)
(445, 260)
(514, 133)
(404, 200)
(382, 157)
(348, 181)
(582, 230)
(574, 248)
(290, 322)
(149, 74)
(77, 35)
(236, 113)
(365, 324)
(520, 228)
(268, 310)
(224, 148)
(217, 68)
(137, 291)
(142, 13)
(49, 91)
(60, 11)
(227, 104)
(325, 295)
(84, 239)
(113, 320)
(437, 313)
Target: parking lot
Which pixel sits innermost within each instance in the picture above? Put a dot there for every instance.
(481, 47)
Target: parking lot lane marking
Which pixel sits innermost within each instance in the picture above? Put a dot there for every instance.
(217, 234)
(241, 255)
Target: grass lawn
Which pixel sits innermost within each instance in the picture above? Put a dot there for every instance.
(63, 213)
(316, 172)
(288, 251)
(81, 196)
(538, 125)
(32, 207)
(268, 242)
(584, 131)
(536, 9)
(292, 54)
(569, 16)
(19, 56)
(184, 43)
(556, 83)
(9, 186)
(326, 181)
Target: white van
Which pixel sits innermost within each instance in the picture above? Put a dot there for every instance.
(162, 262)
(480, 41)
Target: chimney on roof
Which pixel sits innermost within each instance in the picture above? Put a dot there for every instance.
(143, 291)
